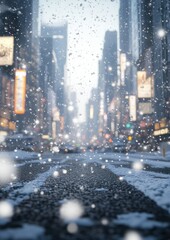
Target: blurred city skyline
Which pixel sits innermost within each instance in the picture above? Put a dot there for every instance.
(87, 24)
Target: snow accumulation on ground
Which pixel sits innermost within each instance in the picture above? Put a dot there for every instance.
(32, 186)
(19, 154)
(153, 184)
(139, 220)
(26, 231)
(129, 167)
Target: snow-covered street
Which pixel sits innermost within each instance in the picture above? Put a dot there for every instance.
(114, 192)
(85, 120)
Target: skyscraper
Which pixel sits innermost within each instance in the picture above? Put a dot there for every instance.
(129, 32)
(124, 29)
(59, 36)
(53, 63)
(110, 65)
(17, 20)
(161, 57)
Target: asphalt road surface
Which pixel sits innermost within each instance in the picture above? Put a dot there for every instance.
(74, 197)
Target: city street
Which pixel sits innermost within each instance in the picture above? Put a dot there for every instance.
(87, 196)
(85, 120)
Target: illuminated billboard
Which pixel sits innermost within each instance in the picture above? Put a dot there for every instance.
(144, 85)
(146, 108)
(122, 67)
(91, 111)
(132, 108)
(152, 86)
(6, 50)
(20, 91)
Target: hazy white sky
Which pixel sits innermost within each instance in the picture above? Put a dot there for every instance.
(88, 20)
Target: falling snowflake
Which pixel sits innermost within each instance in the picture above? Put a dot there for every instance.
(71, 210)
(137, 166)
(55, 174)
(7, 170)
(6, 209)
(72, 228)
(64, 171)
(132, 235)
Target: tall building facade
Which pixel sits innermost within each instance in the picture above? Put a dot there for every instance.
(59, 35)
(92, 113)
(154, 50)
(47, 77)
(130, 32)
(101, 96)
(53, 63)
(134, 36)
(71, 114)
(161, 66)
(16, 20)
(144, 37)
(161, 57)
(124, 27)
(110, 65)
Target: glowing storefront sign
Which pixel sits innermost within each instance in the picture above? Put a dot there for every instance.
(4, 122)
(132, 108)
(122, 67)
(12, 125)
(91, 112)
(144, 85)
(20, 91)
(161, 132)
(146, 107)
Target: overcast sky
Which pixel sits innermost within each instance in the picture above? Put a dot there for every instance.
(88, 20)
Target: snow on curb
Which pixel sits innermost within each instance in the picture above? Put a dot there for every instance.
(26, 232)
